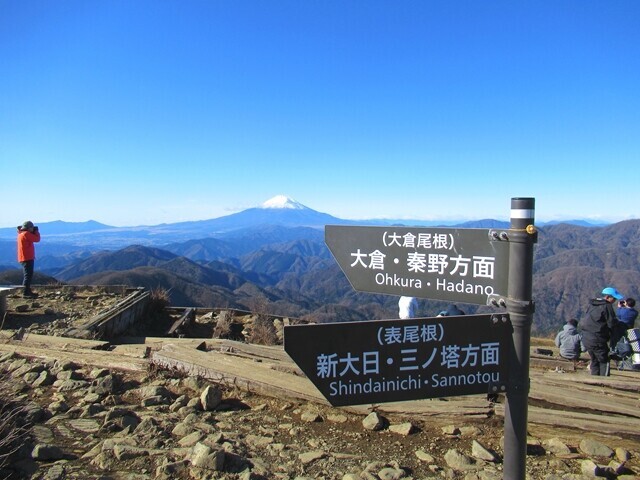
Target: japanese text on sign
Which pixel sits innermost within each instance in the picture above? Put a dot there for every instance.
(391, 360)
(416, 261)
(434, 352)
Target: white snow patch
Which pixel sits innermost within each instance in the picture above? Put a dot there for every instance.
(282, 201)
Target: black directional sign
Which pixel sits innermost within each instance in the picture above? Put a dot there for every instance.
(460, 265)
(380, 361)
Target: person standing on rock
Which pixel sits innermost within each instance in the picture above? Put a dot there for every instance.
(28, 234)
(407, 307)
(597, 326)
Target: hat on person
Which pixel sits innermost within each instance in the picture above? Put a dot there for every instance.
(27, 225)
(613, 293)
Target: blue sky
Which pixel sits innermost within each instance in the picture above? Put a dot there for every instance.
(148, 112)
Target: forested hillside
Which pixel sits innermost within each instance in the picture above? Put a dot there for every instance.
(289, 271)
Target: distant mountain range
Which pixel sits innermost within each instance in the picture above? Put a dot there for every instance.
(278, 211)
(274, 257)
(276, 220)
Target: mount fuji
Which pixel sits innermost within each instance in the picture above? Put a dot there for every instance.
(282, 201)
(277, 211)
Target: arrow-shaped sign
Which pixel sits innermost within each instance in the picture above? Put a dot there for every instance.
(353, 363)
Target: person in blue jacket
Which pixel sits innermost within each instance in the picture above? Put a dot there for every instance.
(627, 315)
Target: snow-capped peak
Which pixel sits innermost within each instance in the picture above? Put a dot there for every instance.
(282, 201)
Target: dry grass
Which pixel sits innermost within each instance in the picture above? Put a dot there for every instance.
(224, 323)
(159, 299)
(263, 332)
(161, 372)
(13, 430)
(542, 342)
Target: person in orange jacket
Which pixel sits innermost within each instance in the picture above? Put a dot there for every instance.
(28, 234)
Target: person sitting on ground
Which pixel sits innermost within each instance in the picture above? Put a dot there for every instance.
(569, 340)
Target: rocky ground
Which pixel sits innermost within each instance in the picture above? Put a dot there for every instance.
(99, 424)
(57, 309)
(91, 423)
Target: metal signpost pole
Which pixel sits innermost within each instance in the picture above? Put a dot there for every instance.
(522, 236)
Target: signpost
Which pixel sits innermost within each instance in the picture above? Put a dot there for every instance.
(522, 236)
(393, 360)
(461, 265)
(353, 363)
